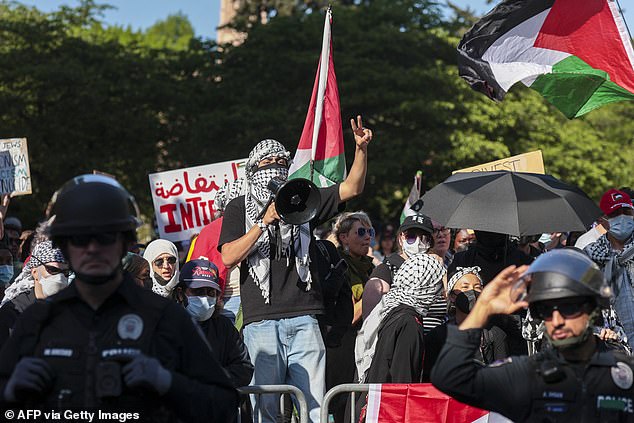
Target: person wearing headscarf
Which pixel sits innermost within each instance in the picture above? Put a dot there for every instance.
(390, 345)
(162, 255)
(280, 290)
(43, 275)
(463, 289)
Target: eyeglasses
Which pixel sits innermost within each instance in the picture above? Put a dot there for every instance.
(52, 270)
(544, 311)
(104, 238)
(170, 260)
(279, 160)
(442, 230)
(363, 231)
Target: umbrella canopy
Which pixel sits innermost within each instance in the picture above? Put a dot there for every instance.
(513, 203)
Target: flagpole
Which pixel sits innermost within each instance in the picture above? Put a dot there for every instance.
(624, 21)
(321, 90)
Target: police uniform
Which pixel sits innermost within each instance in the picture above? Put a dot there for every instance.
(85, 349)
(540, 388)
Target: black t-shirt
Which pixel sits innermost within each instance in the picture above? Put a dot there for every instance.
(287, 293)
(388, 268)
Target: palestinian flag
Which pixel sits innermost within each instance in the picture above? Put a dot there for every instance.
(414, 196)
(321, 143)
(421, 402)
(576, 53)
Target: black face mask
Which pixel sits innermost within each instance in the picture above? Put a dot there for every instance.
(465, 301)
(160, 279)
(490, 239)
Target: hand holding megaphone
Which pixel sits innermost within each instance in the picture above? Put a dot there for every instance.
(294, 201)
(270, 216)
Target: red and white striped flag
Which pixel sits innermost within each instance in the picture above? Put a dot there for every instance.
(421, 403)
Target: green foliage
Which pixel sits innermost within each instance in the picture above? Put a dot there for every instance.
(89, 96)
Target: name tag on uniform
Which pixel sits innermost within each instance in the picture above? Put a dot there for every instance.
(612, 402)
(120, 352)
(58, 352)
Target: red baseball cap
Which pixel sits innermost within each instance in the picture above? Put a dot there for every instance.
(613, 200)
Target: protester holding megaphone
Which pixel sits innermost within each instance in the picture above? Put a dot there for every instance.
(281, 292)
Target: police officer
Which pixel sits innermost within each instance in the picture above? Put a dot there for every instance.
(104, 343)
(579, 379)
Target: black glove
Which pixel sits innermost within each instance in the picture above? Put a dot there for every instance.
(147, 372)
(32, 375)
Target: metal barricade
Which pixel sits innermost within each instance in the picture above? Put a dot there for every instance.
(350, 388)
(260, 390)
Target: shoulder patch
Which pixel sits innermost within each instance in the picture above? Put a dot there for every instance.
(622, 375)
(501, 362)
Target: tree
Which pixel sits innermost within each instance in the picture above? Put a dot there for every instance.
(86, 101)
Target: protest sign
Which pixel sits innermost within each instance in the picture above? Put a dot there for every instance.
(532, 162)
(15, 175)
(184, 198)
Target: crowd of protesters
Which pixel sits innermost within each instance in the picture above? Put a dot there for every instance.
(274, 304)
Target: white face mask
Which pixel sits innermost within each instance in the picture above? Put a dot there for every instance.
(417, 247)
(52, 284)
(201, 308)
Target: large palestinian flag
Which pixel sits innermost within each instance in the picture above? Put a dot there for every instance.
(576, 53)
(321, 143)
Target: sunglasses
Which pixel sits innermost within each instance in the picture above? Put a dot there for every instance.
(170, 260)
(544, 311)
(52, 270)
(411, 238)
(363, 231)
(104, 238)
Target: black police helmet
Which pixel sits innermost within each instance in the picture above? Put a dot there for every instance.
(566, 273)
(89, 204)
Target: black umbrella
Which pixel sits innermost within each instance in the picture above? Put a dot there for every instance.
(513, 203)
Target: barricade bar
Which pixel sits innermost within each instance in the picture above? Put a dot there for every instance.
(279, 389)
(349, 388)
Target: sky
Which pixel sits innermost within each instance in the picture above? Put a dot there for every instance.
(204, 14)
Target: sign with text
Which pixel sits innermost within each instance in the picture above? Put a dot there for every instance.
(184, 198)
(15, 175)
(532, 162)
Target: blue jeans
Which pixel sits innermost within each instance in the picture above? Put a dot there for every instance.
(231, 307)
(287, 351)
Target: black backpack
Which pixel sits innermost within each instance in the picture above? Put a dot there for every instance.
(337, 294)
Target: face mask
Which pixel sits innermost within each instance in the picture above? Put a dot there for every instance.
(490, 239)
(160, 279)
(53, 284)
(416, 248)
(263, 175)
(201, 308)
(466, 300)
(621, 227)
(6, 273)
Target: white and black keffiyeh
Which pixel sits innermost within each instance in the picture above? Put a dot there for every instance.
(152, 251)
(42, 253)
(416, 284)
(459, 273)
(291, 236)
(227, 193)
